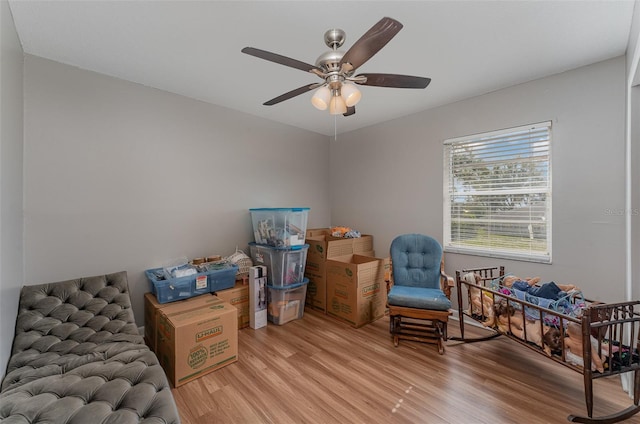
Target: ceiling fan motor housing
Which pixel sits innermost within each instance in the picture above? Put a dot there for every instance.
(330, 61)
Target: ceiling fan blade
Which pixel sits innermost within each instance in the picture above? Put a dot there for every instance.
(371, 42)
(395, 81)
(282, 60)
(350, 111)
(292, 93)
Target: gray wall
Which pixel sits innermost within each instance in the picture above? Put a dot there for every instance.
(633, 93)
(119, 176)
(11, 142)
(635, 192)
(387, 179)
(632, 45)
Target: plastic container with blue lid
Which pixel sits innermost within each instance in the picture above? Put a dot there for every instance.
(279, 227)
(284, 266)
(173, 289)
(286, 303)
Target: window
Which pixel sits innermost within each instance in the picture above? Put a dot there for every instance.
(497, 194)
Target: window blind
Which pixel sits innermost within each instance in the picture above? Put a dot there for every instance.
(497, 193)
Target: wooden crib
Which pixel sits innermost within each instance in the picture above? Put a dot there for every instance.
(610, 329)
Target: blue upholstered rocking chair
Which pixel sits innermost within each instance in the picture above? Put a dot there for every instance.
(420, 291)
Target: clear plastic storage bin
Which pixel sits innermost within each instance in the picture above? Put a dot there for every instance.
(279, 227)
(286, 303)
(284, 266)
(172, 289)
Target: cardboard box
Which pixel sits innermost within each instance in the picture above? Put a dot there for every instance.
(151, 314)
(317, 232)
(151, 308)
(326, 246)
(238, 296)
(362, 244)
(195, 341)
(322, 248)
(315, 272)
(356, 289)
(357, 268)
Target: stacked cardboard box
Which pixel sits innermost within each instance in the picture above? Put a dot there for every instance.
(238, 296)
(317, 287)
(316, 232)
(323, 247)
(194, 341)
(152, 312)
(356, 288)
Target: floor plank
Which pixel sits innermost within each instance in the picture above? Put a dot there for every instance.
(319, 370)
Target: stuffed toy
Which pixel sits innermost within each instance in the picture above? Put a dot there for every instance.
(339, 231)
(481, 302)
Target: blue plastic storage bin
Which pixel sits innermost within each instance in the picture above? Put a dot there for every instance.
(279, 227)
(284, 266)
(221, 279)
(172, 289)
(286, 303)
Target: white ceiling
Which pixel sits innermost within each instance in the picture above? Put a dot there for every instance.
(193, 47)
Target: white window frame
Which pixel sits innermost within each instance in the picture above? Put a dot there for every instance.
(458, 243)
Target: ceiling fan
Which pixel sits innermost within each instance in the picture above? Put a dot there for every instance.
(338, 90)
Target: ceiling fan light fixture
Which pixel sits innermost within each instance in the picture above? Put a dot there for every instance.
(321, 98)
(350, 94)
(339, 90)
(337, 105)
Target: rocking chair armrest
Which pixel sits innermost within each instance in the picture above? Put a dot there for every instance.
(446, 283)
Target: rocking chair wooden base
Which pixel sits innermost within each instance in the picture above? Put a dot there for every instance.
(432, 330)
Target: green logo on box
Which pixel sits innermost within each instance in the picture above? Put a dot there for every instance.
(335, 305)
(197, 356)
(319, 248)
(342, 293)
(348, 272)
(371, 290)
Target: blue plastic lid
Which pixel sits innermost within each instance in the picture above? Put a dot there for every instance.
(290, 286)
(267, 246)
(280, 209)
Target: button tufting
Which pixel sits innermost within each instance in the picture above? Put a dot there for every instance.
(122, 380)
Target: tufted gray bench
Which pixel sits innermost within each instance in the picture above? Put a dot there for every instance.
(77, 357)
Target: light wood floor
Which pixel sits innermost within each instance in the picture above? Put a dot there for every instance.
(318, 370)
